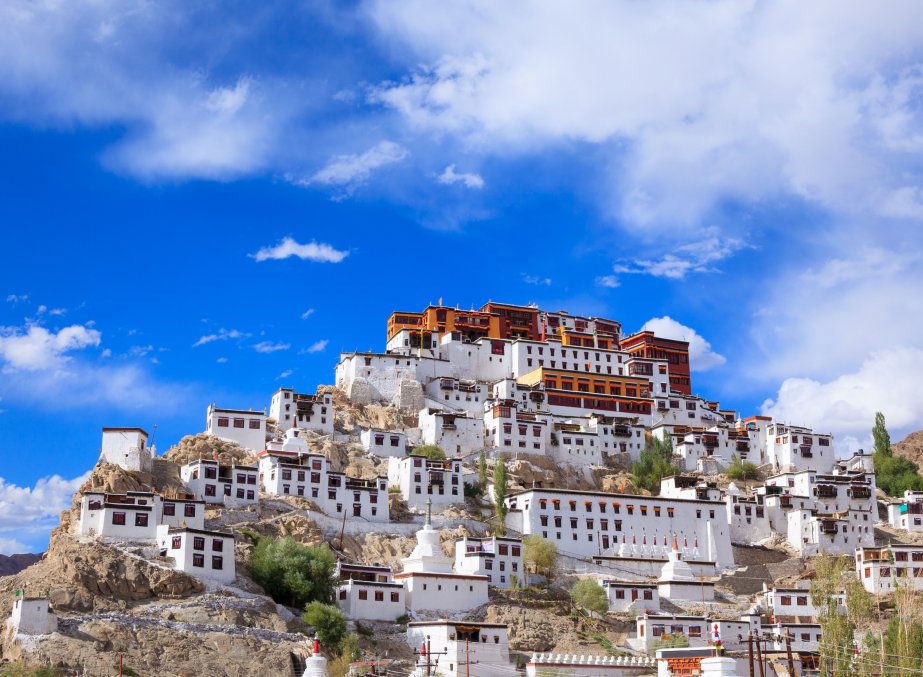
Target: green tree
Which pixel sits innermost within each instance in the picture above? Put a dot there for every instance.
(329, 623)
(881, 436)
(741, 470)
(652, 465)
(666, 446)
(893, 474)
(293, 574)
(431, 451)
(500, 488)
(539, 555)
(590, 595)
(349, 653)
(832, 576)
(482, 469)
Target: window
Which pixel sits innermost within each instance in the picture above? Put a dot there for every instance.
(217, 545)
(189, 510)
(238, 423)
(118, 518)
(198, 543)
(217, 562)
(209, 489)
(254, 425)
(363, 594)
(198, 560)
(223, 422)
(140, 519)
(169, 509)
(620, 594)
(176, 542)
(395, 596)
(379, 595)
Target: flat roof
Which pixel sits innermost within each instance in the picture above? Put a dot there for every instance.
(132, 430)
(633, 497)
(204, 532)
(444, 621)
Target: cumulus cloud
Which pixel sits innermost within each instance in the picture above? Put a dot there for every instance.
(35, 347)
(270, 347)
(312, 251)
(221, 335)
(349, 170)
(17, 298)
(308, 313)
(286, 373)
(28, 514)
(449, 177)
(316, 347)
(701, 355)
(608, 281)
(722, 114)
(846, 405)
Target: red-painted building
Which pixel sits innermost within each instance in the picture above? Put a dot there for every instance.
(676, 353)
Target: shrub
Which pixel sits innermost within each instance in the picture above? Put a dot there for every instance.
(474, 491)
(590, 595)
(654, 463)
(431, 451)
(329, 623)
(539, 555)
(293, 574)
(741, 470)
(893, 474)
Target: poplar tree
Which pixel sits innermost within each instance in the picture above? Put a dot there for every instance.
(482, 469)
(881, 436)
(500, 482)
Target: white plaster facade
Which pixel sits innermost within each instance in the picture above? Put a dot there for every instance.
(496, 557)
(631, 596)
(420, 479)
(653, 628)
(455, 433)
(32, 616)
(127, 447)
(882, 569)
(200, 553)
(384, 443)
(131, 516)
(246, 428)
(462, 648)
(908, 514)
(232, 485)
(369, 593)
(307, 412)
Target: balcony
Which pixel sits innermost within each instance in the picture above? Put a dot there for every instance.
(743, 446)
(806, 451)
(828, 527)
(860, 491)
(447, 384)
(825, 491)
(621, 431)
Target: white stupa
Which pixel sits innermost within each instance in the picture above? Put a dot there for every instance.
(315, 664)
(678, 582)
(429, 580)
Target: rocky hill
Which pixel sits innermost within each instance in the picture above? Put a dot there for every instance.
(11, 564)
(911, 447)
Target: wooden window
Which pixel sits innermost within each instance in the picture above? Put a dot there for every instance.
(169, 509)
(254, 424)
(140, 519)
(198, 560)
(189, 510)
(217, 562)
(238, 423)
(223, 422)
(198, 543)
(118, 518)
(218, 544)
(176, 543)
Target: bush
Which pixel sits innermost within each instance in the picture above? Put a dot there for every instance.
(293, 574)
(590, 595)
(431, 451)
(654, 464)
(329, 623)
(474, 491)
(539, 555)
(741, 470)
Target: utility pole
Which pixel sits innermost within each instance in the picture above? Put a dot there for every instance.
(759, 657)
(788, 651)
(750, 651)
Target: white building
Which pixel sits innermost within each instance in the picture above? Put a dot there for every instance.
(246, 428)
(510, 430)
(883, 569)
(384, 443)
(908, 514)
(135, 515)
(794, 448)
(454, 433)
(32, 616)
(127, 447)
(212, 482)
(788, 602)
(747, 517)
(287, 468)
(456, 395)
(368, 592)
(421, 479)
(631, 596)
(430, 582)
(460, 648)
(307, 412)
(200, 553)
(588, 523)
(496, 557)
(654, 629)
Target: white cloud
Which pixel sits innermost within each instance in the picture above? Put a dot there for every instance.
(17, 298)
(701, 355)
(695, 257)
(28, 514)
(222, 335)
(308, 313)
(140, 351)
(221, 360)
(352, 169)
(609, 281)
(270, 347)
(536, 280)
(316, 347)
(449, 177)
(846, 405)
(286, 373)
(35, 347)
(312, 251)
(722, 114)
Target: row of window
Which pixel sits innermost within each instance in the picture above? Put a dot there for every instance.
(646, 593)
(379, 595)
(253, 423)
(211, 473)
(211, 490)
(169, 509)
(616, 508)
(141, 519)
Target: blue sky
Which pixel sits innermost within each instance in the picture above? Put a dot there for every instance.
(750, 172)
